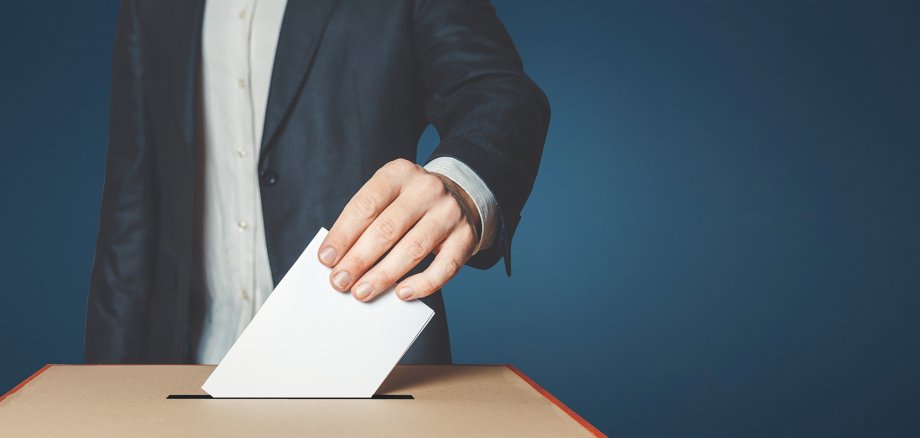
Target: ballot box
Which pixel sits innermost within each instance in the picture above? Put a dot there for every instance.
(167, 400)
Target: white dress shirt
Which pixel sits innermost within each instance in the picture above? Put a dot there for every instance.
(238, 52)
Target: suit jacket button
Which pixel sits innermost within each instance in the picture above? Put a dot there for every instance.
(269, 178)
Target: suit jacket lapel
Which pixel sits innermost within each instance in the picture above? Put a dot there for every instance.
(301, 31)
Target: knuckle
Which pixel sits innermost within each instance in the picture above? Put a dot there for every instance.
(386, 229)
(332, 239)
(428, 285)
(432, 184)
(366, 206)
(451, 267)
(354, 264)
(400, 165)
(383, 278)
(415, 250)
(452, 211)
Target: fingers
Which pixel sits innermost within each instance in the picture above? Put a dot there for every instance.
(409, 212)
(454, 252)
(409, 252)
(363, 209)
(376, 240)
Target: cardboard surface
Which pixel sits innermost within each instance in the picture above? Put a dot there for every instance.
(131, 400)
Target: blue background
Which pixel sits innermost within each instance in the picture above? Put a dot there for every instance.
(723, 239)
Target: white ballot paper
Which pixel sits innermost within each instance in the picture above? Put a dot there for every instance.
(309, 340)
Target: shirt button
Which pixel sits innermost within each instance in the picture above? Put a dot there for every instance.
(241, 83)
(241, 152)
(243, 225)
(242, 14)
(245, 294)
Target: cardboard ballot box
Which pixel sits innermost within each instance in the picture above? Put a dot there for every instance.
(167, 400)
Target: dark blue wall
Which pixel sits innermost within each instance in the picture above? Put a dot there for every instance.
(723, 240)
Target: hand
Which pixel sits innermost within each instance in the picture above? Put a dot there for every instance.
(411, 213)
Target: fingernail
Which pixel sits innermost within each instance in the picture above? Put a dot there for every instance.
(341, 279)
(327, 255)
(363, 290)
(404, 292)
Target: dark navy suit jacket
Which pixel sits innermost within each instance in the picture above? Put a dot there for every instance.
(355, 82)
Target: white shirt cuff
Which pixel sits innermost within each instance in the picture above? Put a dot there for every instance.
(474, 186)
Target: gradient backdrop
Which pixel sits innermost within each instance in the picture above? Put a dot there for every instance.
(723, 240)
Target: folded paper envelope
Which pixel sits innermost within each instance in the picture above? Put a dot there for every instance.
(309, 340)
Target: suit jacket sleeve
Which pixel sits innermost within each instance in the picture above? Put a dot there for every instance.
(123, 266)
(488, 113)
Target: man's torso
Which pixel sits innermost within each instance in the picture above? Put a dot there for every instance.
(344, 99)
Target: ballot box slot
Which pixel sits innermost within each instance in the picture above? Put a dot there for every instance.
(208, 397)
